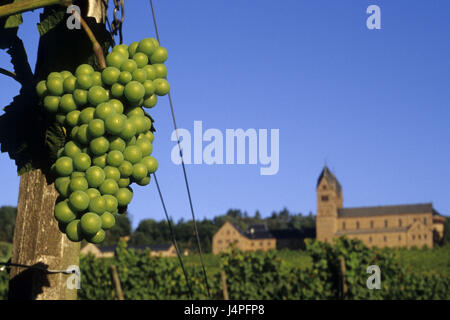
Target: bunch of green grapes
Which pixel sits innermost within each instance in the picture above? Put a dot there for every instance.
(109, 138)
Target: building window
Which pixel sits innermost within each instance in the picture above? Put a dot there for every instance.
(371, 224)
(219, 241)
(385, 223)
(343, 225)
(253, 244)
(357, 224)
(399, 238)
(415, 219)
(425, 221)
(324, 187)
(227, 241)
(370, 239)
(261, 244)
(420, 237)
(385, 238)
(399, 222)
(414, 237)
(424, 236)
(228, 232)
(324, 198)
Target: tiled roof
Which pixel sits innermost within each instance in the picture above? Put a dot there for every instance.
(326, 173)
(107, 249)
(385, 210)
(291, 234)
(261, 231)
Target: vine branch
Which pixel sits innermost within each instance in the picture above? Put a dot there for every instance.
(27, 5)
(96, 47)
(8, 73)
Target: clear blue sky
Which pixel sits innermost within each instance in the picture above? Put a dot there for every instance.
(374, 103)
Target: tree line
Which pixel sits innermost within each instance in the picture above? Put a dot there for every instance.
(151, 231)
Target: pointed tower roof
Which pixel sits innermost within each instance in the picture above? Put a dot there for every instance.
(327, 174)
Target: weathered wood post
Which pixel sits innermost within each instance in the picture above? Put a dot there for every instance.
(116, 280)
(37, 239)
(223, 278)
(342, 283)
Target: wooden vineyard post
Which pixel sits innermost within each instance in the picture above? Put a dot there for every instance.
(342, 283)
(223, 278)
(116, 280)
(38, 242)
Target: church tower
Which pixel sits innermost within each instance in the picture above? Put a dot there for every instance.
(329, 201)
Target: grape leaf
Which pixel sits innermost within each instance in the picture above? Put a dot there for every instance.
(50, 18)
(8, 26)
(30, 136)
(12, 21)
(19, 134)
(19, 61)
(54, 140)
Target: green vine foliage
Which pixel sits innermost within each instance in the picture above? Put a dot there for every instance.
(141, 277)
(258, 275)
(29, 135)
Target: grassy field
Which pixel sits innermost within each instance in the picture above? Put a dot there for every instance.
(423, 260)
(417, 260)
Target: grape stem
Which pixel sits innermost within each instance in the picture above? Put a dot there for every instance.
(95, 45)
(8, 73)
(27, 5)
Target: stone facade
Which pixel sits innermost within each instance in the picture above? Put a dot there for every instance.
(166, 250)
(229, 235)
(382, 226)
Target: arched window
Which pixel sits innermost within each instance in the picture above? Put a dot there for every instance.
(371, 224)
(357, 224)
(343, 225)
(399, 222)
(385, 238)
(385, 223)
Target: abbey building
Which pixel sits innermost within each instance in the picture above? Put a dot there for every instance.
(382, 226)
